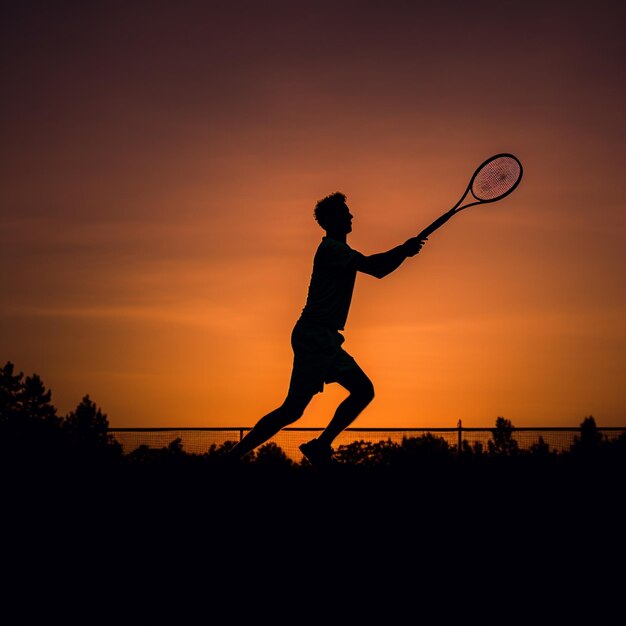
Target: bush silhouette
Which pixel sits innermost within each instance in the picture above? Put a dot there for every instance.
(502, 442)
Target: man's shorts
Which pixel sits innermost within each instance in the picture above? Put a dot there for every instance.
(318, 358)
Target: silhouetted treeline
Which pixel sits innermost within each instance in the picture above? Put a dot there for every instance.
(32, 434)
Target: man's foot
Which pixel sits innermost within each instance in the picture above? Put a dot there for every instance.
(318, 454)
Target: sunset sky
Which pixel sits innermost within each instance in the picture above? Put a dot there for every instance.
(160, 162)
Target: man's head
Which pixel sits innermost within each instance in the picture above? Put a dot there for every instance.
(333, 215)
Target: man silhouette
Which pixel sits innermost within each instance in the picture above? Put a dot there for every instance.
(316, 338)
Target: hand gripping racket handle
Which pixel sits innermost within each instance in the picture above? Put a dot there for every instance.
(440, 221)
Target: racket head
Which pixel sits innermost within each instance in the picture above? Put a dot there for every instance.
(496, 178)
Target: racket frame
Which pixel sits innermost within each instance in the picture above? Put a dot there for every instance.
(440, 221)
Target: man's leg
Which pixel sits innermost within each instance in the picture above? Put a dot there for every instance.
(287, 413)
(319, 451)
(361, 394)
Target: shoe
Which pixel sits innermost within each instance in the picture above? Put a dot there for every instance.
(318, 454)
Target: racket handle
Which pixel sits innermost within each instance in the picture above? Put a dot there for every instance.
(440, 221)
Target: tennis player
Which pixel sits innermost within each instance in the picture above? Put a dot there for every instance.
(316, 338)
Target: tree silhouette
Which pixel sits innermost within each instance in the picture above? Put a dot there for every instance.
(366, 453)
(502, 443)
(272, 455)
(29, 425)
(36, 402)
(87, 428)
(11, 386)
(10, 393)
(427, 446)
(590, 441)
(87, 423)
(473, 450)
(541, 451)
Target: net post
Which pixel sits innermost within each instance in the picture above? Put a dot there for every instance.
(240, 434)
(459, 437)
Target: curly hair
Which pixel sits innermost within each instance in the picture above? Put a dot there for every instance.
(326, 207)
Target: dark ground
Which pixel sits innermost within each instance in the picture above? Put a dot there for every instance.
(256, 545)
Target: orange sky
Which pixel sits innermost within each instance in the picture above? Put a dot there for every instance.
(160, 165)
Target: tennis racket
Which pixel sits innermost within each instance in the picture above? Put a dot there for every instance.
(493, 180)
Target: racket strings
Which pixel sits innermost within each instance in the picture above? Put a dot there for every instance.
(496, 178)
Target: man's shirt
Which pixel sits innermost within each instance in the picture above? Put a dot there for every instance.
(332, 284)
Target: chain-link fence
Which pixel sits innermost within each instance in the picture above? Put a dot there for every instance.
(200, 440)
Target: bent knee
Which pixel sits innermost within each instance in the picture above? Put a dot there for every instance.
(366, 392)
(291, 411)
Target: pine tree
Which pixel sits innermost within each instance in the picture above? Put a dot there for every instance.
(35, 402)
(11, 387)
(87, 427)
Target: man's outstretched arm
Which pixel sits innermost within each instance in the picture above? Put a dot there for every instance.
(382, 264)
